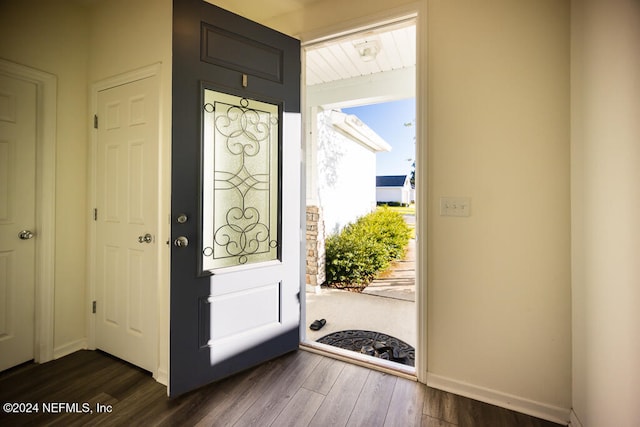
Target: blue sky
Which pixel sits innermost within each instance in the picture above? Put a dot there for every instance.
(387, 120)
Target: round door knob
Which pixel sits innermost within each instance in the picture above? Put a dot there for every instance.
(147, 238)
(25, 235)
(181, 242)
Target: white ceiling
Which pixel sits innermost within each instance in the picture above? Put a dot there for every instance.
(339, 59)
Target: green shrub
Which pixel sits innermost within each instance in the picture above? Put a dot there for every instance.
(353, 259)
(364, 248)
(393, 204)
(389, 228)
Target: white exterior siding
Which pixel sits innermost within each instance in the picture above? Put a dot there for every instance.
(346, 174)
(393, 194)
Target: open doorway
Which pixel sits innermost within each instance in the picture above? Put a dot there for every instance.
(354, 85)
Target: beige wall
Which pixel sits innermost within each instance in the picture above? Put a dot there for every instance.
(126, 35)
(54, 37)
(605, 211)
(498, 132)
(287, 16)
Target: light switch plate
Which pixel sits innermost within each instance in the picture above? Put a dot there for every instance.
(455, 206)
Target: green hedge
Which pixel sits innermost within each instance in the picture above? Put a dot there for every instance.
(364, 248)
(394, 204)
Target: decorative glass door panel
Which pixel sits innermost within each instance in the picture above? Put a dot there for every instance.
(240, 181)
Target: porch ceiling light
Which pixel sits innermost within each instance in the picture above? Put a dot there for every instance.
(368, 50)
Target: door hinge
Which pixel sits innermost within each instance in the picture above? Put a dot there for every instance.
(95, 214)
(93, 307)
(95, 121)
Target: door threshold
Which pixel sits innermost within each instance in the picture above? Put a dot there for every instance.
(386, 366)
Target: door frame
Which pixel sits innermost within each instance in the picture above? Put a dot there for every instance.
(46, 110)
(153, 70)
(418, 12)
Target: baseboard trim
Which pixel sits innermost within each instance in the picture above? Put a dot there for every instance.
(536, 409)
(162, 376)
(574, 420)
(69, 348)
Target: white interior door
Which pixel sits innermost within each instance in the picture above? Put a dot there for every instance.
(17, 220)
(126, 216)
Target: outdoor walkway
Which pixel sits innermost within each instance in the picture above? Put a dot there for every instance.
(399, 281)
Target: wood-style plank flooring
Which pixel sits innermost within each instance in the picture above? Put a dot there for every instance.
(298, 389)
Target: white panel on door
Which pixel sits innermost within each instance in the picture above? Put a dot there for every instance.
(136, 111)
(6, 263)
(136, 182)
(112, 187)
(261, 306)
(6, 180)
(7, 107)
(113, 116)
(134, 282)
(112, 284)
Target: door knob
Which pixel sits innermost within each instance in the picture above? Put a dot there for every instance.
(181, 242)
(25, 235)
(147, 238)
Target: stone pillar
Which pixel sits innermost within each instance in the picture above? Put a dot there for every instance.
(315, 249)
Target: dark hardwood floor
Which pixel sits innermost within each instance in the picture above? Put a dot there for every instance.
(298, 389)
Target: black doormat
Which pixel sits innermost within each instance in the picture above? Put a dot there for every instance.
(373, 344)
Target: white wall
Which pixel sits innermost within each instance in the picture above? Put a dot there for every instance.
(54, 37)
(346, 176)
(392, 194)
(605, 200)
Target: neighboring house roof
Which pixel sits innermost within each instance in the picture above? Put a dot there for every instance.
(391, 180)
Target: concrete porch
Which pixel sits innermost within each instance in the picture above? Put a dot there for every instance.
(386, 305)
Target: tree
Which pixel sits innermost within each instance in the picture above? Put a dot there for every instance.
(412, 178)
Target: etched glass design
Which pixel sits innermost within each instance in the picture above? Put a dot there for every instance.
(240, 177)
